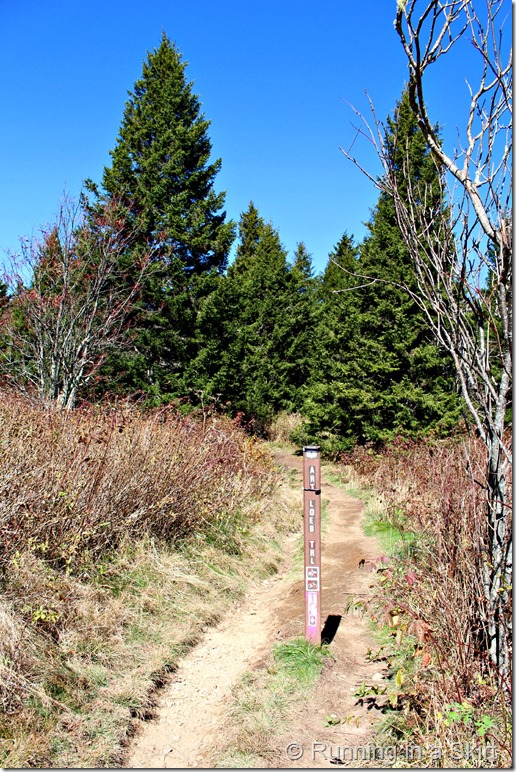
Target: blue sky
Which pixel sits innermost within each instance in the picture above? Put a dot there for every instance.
(275, 79)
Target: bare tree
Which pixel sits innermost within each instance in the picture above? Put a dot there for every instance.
(71, 301)
(462, 252)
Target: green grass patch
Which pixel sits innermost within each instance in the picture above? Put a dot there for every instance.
(335, 476)
(300, 660)
(393, 538)
(263, 698)
(389, 526)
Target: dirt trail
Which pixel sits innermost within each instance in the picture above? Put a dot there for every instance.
(192, 721)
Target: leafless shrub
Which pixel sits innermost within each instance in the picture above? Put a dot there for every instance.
(70, 300)
(462, 250)
(73, 485)
(434, 589)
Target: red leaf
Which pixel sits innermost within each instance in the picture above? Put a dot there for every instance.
(411, 578)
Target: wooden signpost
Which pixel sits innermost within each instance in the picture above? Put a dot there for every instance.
(312, 534)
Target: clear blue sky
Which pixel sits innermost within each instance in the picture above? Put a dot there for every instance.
(275, 78)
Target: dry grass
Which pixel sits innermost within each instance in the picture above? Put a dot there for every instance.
(429, 597)
(124, 535)
(74, 484)
(283, 427)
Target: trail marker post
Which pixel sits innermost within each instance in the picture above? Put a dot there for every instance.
(312, 540)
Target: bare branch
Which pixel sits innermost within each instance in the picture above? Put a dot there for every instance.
(462, 250)
(60, 324)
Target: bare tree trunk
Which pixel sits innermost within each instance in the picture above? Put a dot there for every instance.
(462, 255)
(76, 304)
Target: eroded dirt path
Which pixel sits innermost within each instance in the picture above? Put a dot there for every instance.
(192, 713)
(346, 555)
(192, 707)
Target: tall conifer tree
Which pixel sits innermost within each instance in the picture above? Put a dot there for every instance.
(161, 171)
(380, 372)
(255, 353)
(408, 381)
(333, 399)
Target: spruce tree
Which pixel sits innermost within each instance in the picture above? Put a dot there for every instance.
(333, 399)
(302, 266)
(407, 381)
(254, 355)
(302, 314)
(161, 171)
(380, 372)
(250, 231)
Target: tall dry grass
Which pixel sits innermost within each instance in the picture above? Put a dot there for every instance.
(72, 485)
(283, 427)
(123, 533)
(430, 595)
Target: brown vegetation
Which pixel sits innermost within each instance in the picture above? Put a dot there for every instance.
(74, 485)
(430, 600)
(123, 534)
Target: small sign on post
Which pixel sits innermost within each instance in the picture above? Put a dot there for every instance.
(312, 540)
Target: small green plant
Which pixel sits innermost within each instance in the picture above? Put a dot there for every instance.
(483, 724)
(333, 720)
(365, 690)
(301, 659)
(458, 712)
(463, 713)
(42, 614)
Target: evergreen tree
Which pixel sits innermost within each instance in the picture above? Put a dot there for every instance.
(333, 399)
(302, 266)
(161, 172)
(302, 314)
(250, 231)
(254, 355)
(407, 381)
(381, 373)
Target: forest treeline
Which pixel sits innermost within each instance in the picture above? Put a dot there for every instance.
(130, 293)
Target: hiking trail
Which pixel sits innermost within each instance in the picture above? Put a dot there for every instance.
(192, 721)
